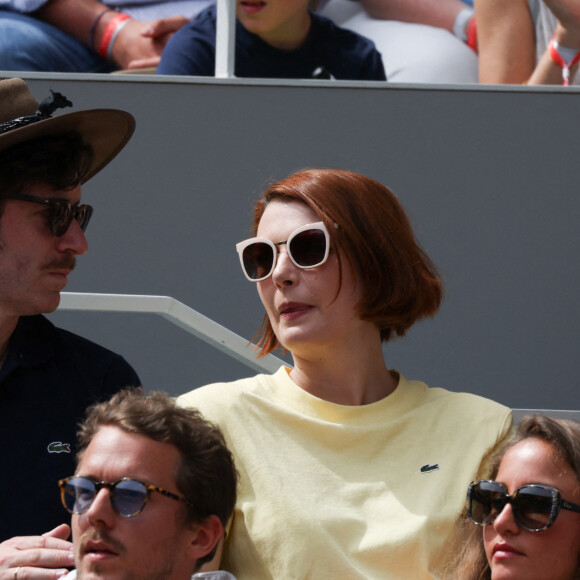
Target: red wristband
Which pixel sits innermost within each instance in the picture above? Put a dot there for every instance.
(472, 35)
(91, 40)
(559, 60)
(109, 32)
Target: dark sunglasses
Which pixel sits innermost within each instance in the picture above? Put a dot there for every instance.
(128, 496)
(535, 507)
(308, 247)
(61, 212)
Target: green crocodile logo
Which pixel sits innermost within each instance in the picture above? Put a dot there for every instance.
(429, 468)
(58, 447)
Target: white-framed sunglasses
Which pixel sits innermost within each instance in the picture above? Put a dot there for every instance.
(308, 247)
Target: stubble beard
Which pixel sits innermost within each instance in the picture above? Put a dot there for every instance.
(163, 570)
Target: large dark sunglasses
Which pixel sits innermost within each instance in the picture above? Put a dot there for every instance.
(61, 212)
(535, 507)
(308, 247)
(128, 496)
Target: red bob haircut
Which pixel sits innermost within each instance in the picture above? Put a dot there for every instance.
(369, 228)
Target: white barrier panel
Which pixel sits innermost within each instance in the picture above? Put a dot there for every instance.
(179, 314)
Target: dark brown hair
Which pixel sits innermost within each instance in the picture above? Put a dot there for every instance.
(369, 228)
(206, 474)
(61, 161)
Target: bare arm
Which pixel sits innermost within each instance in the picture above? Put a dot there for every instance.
(74, 17)
(37, 557)
(438, 13)
(138, 42)
(506, 41)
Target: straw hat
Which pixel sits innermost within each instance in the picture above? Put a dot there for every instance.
(22, 118)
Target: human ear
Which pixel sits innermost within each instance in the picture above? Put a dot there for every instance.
(205, 536)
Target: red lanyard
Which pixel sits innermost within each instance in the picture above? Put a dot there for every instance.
(557, 58)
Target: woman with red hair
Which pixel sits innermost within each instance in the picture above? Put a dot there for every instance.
(347, 468)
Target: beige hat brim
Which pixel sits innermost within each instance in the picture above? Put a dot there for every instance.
(107, 131)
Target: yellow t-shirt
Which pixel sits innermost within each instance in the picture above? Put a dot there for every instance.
(333, 492)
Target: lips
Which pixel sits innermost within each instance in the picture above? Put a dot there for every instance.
(64, 273)
(100, 547)
(291, 309)
(504, 550)
(61, 267)
(250, 7)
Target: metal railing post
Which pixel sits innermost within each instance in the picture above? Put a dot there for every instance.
(225, 47)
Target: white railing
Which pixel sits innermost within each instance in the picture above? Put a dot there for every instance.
(179, 314)
(225, 46)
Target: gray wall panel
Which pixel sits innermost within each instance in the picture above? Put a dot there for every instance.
(489, 177)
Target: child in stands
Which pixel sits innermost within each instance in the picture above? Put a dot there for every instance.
(275, 39)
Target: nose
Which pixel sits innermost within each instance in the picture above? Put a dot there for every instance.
(73, 240)
(505, 521)
(101, 511)
(285, 271)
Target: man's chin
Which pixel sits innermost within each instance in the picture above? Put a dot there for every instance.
(101, 570)
(47, 304)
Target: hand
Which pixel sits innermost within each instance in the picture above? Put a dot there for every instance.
(37, 557)
(140, 44)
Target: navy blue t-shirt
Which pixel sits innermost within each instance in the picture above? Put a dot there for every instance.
(345, 55)
(47, 381)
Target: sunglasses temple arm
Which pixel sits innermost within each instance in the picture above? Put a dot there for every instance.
(568, 505)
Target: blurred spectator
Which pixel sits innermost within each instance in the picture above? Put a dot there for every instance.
(278, 39)
(528, 41)
(87, 35)
(420, 40)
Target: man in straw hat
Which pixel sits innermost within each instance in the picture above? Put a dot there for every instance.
(48, 376)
